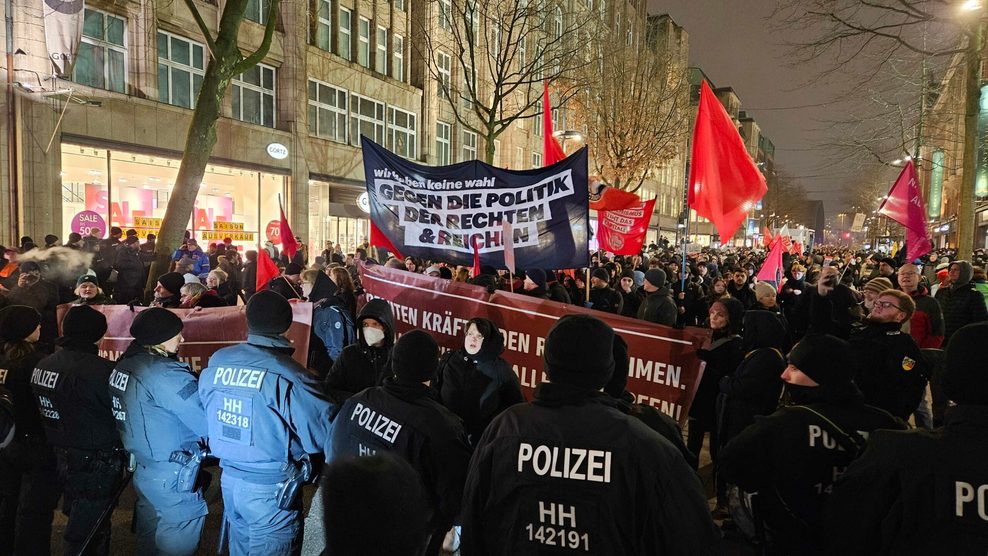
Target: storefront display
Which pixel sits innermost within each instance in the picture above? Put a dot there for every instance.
(335, 215)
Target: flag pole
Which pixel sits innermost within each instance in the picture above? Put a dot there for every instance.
(587, 285)
(686, 230)
(511, 281)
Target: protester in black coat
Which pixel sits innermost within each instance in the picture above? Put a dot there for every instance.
(827, 308)
(367, 362)
(475, 382)
(250, 274)
(130, 272)
(631, 301)
(961, 303)
(602, 296)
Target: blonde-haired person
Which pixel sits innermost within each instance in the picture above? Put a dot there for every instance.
(462, 274)
(219, 282)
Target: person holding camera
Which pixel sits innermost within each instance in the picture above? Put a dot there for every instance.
(828, 308)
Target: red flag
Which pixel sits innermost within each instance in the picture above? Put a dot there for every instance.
(476, 257)
(622, 232)
(772, 267)
(378, 238)
(288, 244)
(724, 182)
(767, 238)
(904, 204)
(266, 270)
(605, 197)
(797, 249)
(551, 151)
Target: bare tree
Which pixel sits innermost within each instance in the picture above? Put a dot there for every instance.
(636, 112)
(503, 52)
(226, 61)
(786, 198)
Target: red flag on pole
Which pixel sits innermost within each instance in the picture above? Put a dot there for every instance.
(476, 257)
(904, 204)
(622, 232)
(288, 244)
(551, 151)
(724, 183)
(767, 238)
(772, 267)
(378, 238)
(605, 197)
(266, 270)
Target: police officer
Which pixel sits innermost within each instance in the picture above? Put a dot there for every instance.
(792, 457)
(890, 370)
(7, 426)
(158, 413)
(70, 390)
(570, 470)
(923, 492)
(406, 416)
(27, 467)
(264, 415)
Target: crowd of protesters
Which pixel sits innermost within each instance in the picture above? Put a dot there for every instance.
(844, 406)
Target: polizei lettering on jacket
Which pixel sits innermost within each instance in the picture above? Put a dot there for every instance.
(240, 378)
(970, 499)
(578, 464)
(376, 423)
(44, 379)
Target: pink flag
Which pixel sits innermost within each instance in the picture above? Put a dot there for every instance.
(904, 204)
(773, 264)
(508, 236)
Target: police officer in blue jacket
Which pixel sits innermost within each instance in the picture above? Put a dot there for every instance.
(265, 415)
(161, 423)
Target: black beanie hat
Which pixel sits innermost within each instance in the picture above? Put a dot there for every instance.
(172, 281)
(964, 379)
(268, 312)
(293, 269)
(600, 273)
(536, 275)
(824, 358)
(154, 326)
(87, 279)
(579, 350)
(616, 386)
(415, 357)
(18, 322)
(656, 277)
(82, 324)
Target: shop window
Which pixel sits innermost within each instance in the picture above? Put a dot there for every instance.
(180, 70)
(327, 111)
(257, 11)
(346, 32)
(469, 146)
(381, 61)
(102, 59)
(366, 118)
(363, 41)
(443, 133)
(324, 24)
(253, 96)
(398, 66)
(401, 132)
(443, 64)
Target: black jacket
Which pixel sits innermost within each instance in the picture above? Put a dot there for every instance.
(571, 469)
(961, 304)
(409, 420)
(606, 299)
(890, 369)
(631, 301)
(478, 387)
(722, 358)
(903, 495)
(659, 307)
(360, 366)
(287, 289)
(130, 275)
(15, 375)
(833, 314)
(557, 292)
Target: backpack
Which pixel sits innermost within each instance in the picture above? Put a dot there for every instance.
(334, 326)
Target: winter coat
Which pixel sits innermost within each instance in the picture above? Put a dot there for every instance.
(961, 303)
(130, 276)
(557, 292)
(722, 358)
(606, 299)
(830, 314)
(926, 324)
(630, 304)
(891, 371)
(361, 366)
(659, 307)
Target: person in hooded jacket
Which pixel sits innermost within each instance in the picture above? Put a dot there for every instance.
(475, 382)
(367, 362)
(617, 487)
(961, 303)
(658, 305)
(534, 284)
(792, 457)
(554, 290)
(27, 465)
(629, 294)
(755, 386)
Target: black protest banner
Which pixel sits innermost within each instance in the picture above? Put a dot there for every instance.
(440, 213)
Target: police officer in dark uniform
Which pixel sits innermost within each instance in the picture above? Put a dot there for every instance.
(7, 425)
(70, 390)
(571, 471)
(406, 416)
(265, 415)
(162, 424)
(921, 491)
(27, 466)
(792, 457)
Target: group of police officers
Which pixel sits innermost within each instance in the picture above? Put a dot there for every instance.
(577, 470)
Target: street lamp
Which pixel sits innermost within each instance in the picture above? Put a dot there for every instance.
(567, 135)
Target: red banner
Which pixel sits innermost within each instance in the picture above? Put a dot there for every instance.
(664, 370)
(204, 331)
(622, 232)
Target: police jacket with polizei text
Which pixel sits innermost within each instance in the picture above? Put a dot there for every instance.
(792, 459)
(15, 375)
(262, 408)
(156, 404)
(70, 393)
(408, 420)
(890, 369)
(916, 492)
(569, 472)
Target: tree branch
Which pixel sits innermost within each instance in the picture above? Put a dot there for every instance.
(258, 55)
(210, 44)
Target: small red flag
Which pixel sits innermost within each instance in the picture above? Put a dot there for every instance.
(724, 182)
(904, 204)
(378, 238)
(288, 244)
(266, 270)
(605, 197)
(551, 151)
(476, 257)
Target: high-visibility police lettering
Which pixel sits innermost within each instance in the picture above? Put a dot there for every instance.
(119, 380)
(375, 423)
(44, 379)
(3, 376)
(965, 493)
(239, 378)
(578, 464)
(819, 436)
(557, 514)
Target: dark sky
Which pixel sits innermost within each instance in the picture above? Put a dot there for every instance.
(736, 47)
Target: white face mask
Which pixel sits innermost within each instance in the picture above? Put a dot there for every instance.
(373, 336)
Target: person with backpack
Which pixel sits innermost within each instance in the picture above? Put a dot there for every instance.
(332, 323)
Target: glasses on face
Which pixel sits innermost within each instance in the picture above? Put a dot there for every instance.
(887, 305)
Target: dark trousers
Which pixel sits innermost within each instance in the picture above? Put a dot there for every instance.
(29, 494)
(90, 479)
